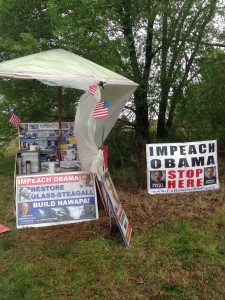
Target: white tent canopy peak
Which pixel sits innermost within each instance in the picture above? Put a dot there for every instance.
(62, 68)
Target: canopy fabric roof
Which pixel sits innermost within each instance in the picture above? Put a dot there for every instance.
(62, 68)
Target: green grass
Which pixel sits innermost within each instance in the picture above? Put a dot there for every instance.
(177, 260)
(182, 259)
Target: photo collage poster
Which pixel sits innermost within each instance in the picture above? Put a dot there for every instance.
(44, 137)
(54, 199)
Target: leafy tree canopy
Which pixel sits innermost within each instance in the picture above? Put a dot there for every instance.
(155, 43)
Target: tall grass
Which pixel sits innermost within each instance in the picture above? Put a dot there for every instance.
(175, 260)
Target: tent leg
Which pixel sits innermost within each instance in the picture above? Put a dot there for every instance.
(59, 120)
(103, 133)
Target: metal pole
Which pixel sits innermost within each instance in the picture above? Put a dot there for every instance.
(103, 133)
(59, 119)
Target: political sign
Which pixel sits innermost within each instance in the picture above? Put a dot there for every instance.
(182, 167)
(52, 199)
(116, 206)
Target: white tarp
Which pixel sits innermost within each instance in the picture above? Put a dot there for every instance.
(61, 68)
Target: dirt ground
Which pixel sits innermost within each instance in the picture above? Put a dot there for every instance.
(143, 210)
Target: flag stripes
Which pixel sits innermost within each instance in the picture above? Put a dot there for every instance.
(92, 88)
(15, 118)
(101, 109)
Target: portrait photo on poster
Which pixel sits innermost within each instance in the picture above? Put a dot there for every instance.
(209, 175)
(157, 179)
(25, 208)
(86, 180)
(24, 193)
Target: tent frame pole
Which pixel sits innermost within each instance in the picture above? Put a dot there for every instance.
(59, 120)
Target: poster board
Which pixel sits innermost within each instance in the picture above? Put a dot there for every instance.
(53, 199)
(182, 167)
(103, 197)
(116, 206)
(45, 138)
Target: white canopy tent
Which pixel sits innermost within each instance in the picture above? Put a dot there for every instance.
(64, 69)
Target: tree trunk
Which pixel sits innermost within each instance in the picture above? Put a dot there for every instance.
(161, 130)
(142, 123)
(177, 96)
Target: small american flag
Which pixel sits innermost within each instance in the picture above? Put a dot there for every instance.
(92, 88)
(15, 118)
(101, 109)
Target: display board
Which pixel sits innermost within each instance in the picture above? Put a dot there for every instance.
(119, 213)
(45, 138)
(182, 167)
(52, 199)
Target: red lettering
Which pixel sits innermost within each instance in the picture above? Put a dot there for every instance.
(198, 172)
(199, 182)
(171, 174)
(171, 184)
(190, 173)
(181, 173)
(180, 184)
(190, 183)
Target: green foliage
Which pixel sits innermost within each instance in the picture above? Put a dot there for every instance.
(156, 44)
(201, 115)
(186, 27)
(45, 25)
(126, 37)
(34, 102)
(126, 155)
(37, 102)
